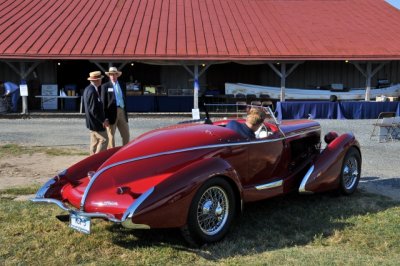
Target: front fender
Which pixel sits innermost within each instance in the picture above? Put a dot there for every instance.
(169, 203)
(324, 174)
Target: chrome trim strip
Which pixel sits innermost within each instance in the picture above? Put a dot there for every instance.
(270, 185)
(64, 207)
(302, 188)
(126, 218)
(63, 173)
(51, 201)
(131, 210)
(302, 133)
(107, 216)
(42, 191)
(222, 145)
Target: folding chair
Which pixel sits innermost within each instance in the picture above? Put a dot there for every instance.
(384, 123)
(230, 98)
(241, 108)
(251, 97)
(256, 102)
(265, 96)
(267, 104)
(3, 105)
(240, 96)
(395, 129)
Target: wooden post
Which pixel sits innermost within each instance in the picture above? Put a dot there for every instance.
(283, 81)
(24, 98)
(283, 75)
(196, 75)
(196, 87)
(368, 74)
(368, 83)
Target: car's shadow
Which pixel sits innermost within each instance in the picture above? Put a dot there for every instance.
(389, 187)
(391, 182)
(272, 224)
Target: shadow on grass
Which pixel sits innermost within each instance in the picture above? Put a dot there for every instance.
(390, 182)
(143, 238)
(268, 225)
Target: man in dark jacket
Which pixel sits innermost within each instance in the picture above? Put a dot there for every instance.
(96, 121)
(255, 118)
(113, 95)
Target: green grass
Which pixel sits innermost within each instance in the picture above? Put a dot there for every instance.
(16, 191)
(17, 150)
(297, 230)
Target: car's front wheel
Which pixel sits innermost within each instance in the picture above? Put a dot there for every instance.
(211, 212)
(351, 172)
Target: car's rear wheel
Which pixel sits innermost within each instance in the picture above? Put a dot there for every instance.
(351, 172)
(211, 212)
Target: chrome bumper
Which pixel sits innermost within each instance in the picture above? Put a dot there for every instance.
(302, 188)
(126, 220)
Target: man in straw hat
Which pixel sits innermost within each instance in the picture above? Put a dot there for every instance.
(113, 95)
(96, 121)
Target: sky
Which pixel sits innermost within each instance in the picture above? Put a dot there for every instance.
(395, 3)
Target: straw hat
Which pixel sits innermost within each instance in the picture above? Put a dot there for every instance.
(113, 70)
(95, 75)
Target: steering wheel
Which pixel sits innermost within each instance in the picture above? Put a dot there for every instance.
(262, 132)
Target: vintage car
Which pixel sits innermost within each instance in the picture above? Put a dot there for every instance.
(197, 175)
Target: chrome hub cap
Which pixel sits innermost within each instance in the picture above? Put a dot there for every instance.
(350, 173)
(212, 210)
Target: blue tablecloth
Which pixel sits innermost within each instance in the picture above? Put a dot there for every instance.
(143, 103)
(174, 103)
(365, 110)
(148, 103)
(299, 110)
(334, 110)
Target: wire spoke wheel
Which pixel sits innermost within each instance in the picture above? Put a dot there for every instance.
(350, 173)
(212, 210)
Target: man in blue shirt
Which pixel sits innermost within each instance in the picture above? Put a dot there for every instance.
(113, 96)
(11, 90)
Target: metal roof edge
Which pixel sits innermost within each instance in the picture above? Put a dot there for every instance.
(201, 59)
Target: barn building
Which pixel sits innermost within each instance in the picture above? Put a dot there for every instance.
(173, 51)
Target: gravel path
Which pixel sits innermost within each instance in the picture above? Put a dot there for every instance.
(66, 131)
(381, 161)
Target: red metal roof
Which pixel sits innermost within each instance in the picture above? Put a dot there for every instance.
(199, 29)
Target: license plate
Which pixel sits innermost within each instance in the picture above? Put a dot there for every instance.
(80, 223)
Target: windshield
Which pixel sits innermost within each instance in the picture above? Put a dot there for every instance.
(236, 111)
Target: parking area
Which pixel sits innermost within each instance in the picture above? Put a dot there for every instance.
(381, 160)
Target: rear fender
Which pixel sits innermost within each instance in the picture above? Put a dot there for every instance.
(74, 173)
(168, 205)
(324, 174)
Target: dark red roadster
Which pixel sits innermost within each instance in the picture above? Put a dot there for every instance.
(197, 175)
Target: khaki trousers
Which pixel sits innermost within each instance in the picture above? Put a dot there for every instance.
(98, 140)
(123, 129)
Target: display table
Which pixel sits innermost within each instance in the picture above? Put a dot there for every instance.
(174, 103)
(312, 109)
(51, 97)
(150, 103)
(145, 103)
(366, 110)
(334, 110)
